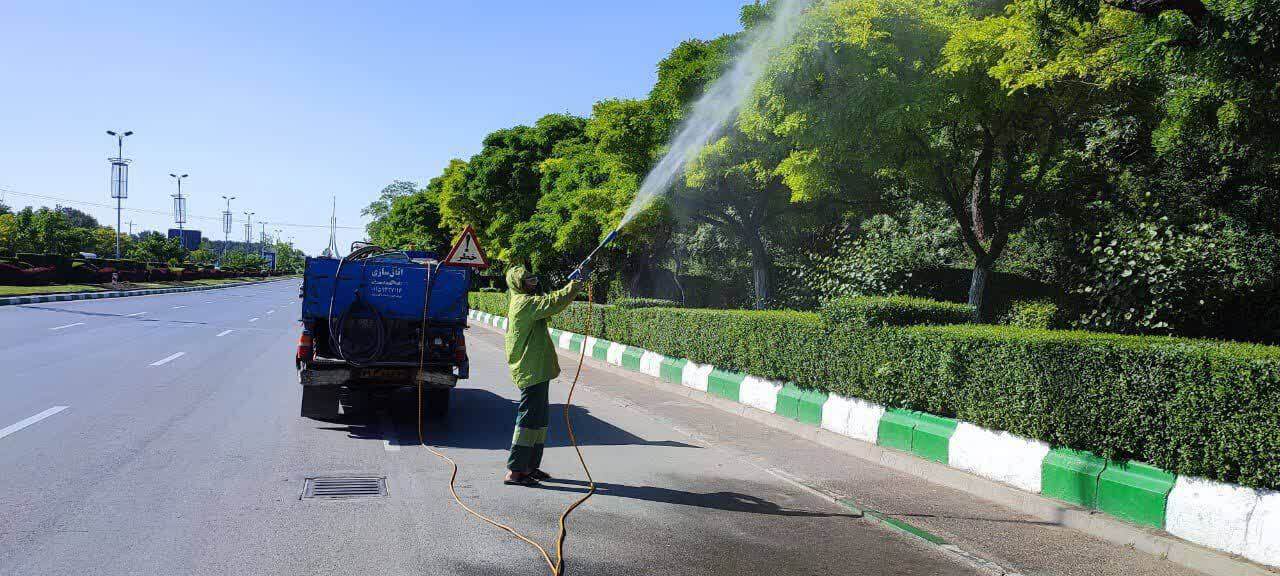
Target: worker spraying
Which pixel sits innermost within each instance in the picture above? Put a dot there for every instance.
(533, 361)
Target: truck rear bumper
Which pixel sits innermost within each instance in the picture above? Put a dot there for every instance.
(375, 377)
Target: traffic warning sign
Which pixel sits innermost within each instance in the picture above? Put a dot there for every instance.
(467, 251)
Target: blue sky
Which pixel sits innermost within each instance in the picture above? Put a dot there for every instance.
(285, 105)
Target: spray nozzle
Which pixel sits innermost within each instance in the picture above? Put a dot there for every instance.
(577, 273)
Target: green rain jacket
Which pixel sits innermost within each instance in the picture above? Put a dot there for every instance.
(530, 352)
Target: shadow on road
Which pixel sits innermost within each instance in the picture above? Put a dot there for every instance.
(727, 501)
(480, 419)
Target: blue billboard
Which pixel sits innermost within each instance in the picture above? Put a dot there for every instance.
(190, 238)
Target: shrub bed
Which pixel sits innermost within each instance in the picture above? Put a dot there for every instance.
(1194, 407)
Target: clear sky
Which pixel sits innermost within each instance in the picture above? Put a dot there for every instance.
(285, 105)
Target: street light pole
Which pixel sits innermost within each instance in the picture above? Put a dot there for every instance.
(248, 231)
(119, 179)
(180, 207)
(226, 225)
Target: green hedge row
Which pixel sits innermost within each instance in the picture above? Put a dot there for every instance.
(644, 303)
(1194, 407)
(866, 312)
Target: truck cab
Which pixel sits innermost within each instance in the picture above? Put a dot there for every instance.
(379, 322)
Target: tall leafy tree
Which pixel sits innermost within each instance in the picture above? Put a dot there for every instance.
(413, 223)
(887, 99)
(155, 247)
(380, 208)
(504, 181)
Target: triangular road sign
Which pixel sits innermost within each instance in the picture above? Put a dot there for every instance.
(467, 251)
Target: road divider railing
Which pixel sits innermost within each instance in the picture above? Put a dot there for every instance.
(1236, 519)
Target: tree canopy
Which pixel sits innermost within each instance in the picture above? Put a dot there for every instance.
(973, 151)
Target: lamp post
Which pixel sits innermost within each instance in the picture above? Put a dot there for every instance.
(179, 207)
(226, 225)
(119, 179)
(248, 231)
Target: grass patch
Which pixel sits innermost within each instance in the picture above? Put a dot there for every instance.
(6, 291)
(63, 289)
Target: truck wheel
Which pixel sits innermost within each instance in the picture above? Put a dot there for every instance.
(320, 402)
(437, 403)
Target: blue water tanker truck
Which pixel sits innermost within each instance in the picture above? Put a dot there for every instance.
(380, 324)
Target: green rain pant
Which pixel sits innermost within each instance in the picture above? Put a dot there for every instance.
(531, 429)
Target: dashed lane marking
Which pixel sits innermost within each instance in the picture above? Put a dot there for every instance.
(168, 359)
(67, 326)
(10, 429)
(178, 307)
(253, 319)
(224, 333)
(134, 314)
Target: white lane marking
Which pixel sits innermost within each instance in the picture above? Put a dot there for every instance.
(169, 359)
(67, 326)
(224, 333)
(134, 314)
(10, 429)
(208, 301)
(390, 442)
(271, 311)
(253, 319)
(178, 307)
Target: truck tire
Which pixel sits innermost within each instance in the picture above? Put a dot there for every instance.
(437, 403)
(320, 402)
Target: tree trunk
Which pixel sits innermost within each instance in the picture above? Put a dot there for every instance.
(979, 286)
(679, 271)
(760, 265)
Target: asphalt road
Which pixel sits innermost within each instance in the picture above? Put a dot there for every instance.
(159, 435)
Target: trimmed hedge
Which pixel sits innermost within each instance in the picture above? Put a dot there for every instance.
(1194, 407)
(1042, 313)
(645, 303)
(878, 312)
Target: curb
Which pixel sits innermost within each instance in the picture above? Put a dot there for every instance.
(39, 299)
(1212, 527)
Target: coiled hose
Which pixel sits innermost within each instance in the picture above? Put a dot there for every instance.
(337, 330)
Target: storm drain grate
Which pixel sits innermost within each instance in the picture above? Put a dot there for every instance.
(344, 487)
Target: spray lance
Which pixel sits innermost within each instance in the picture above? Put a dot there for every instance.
(577, 273)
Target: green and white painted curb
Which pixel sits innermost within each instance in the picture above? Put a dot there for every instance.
(38, 299)
(1226, 517)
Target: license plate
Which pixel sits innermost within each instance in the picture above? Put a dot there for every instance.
(383, 374)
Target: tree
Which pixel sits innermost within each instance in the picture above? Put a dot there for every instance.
(289, 258)
(9, 232)
(155, 247)
(413, 223)
(202, 256)
(378, 209)
(886, 100)
(104, 242)
(77, 218)
(503, 182)
(243, 260)
(734, 184)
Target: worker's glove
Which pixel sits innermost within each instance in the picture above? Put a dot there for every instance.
(583, 273)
